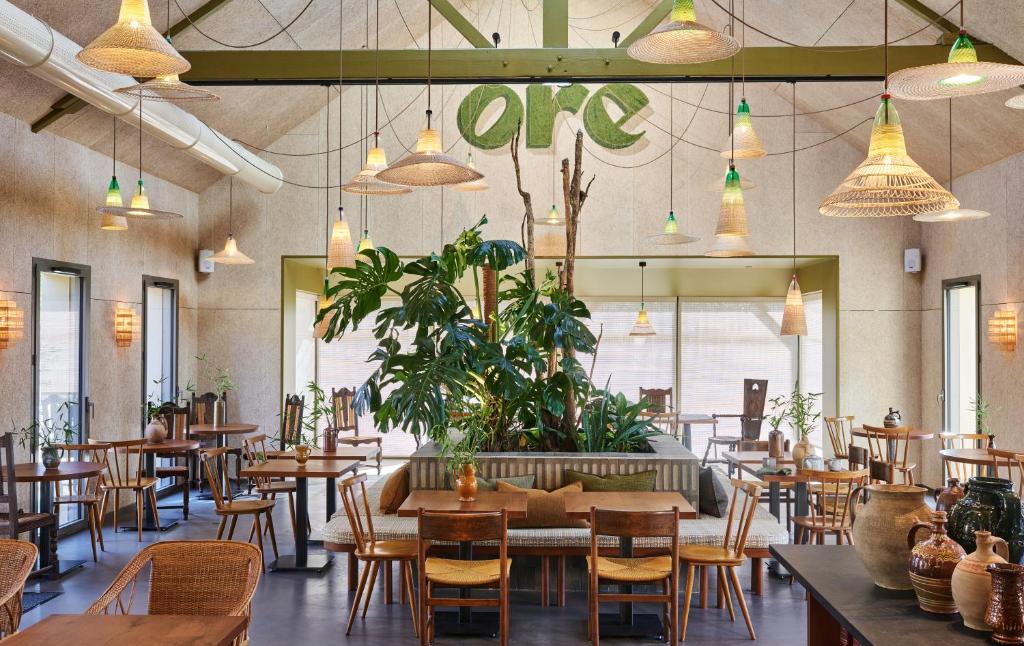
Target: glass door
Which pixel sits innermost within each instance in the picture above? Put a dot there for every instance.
(60, 351)
(961, 353)
(159, 340)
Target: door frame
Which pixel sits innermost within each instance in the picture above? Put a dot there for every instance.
(165, 283)
(963, 281)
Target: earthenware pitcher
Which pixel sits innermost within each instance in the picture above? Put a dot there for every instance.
(893, 419)
(51, 457)
(801, 450)
(156, 430)
(949, 495)
(466, 484)
(931, 565)
(880, 529)
(988, 504)
(1005, 612)
(971, 582)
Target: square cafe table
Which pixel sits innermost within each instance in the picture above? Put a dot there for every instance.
(448, 501)
(577, 505)
(329, 469)
(103, 630)
(343, 453)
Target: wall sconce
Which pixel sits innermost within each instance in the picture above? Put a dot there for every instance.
(12, 323)
(124, 326)
(1002, 330)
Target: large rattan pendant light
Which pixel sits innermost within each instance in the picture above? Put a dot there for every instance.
(962, 75)
(230, 255)
(683, 40)
(429, 165)
(794, 320)
(110, 221)
(888, 183)
(744, 142)
(133, 46)
(958, 214)
(474, 186)
(642, 326)
(670, 235)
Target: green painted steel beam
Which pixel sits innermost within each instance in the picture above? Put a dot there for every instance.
(282, 67)
(556, 23)
(653, 19)
(461, 24)
(202, 11)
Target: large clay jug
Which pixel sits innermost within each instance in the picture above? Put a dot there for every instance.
(971, 581)
(931, 565)
(1005, 612)
(988, 504)
(880, 529)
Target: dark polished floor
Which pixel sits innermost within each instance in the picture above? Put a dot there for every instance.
(308, 609)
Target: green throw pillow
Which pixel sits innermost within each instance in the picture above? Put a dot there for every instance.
(527, 481)
(640, 481)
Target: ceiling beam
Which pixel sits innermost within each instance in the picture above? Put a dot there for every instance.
(653, 19)
(409, 66)
(70, 104)
(461, 24)
(924, 12)
(556, 23)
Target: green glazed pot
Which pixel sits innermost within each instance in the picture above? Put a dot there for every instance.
(989, 504)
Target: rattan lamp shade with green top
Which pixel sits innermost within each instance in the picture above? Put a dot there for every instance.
(133, 46)
(961, 75)
(683, 40)
(732, 214)
(744, 142)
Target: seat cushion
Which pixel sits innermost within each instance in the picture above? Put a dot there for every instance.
(638, 570)
(713, 492)
(460, 573)
(639, 481)
(544, 508)
(395, 491)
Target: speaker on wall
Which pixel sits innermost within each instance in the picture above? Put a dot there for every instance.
(912, 261)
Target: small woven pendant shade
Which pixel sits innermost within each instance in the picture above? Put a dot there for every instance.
(476, 185)
(365, 242)
(670, 234)
(1016, 102)
(366, 182)
(744, 142)
(716, 186)
(683, 40)
(732, 215)
(133, 46)
(168, 88)
(340, 252)
(642, 326)
(110, 221)
(729, 247)
(230, 255)
(888, 183)
(139, 208)
(962, 75)
(428, 166)
(553, 218)
(794, 322)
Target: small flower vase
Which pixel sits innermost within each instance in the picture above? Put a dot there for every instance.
(156, 431)
(776, 443)
(801, 450)
(302, 452)
(51, 457)
(466, 484)
(218, 412)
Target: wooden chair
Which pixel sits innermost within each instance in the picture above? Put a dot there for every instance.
(125, 472)
(202, 411)
(727, 556)
(345, 419)
(16, 561)
(962, 471)
(188, 578)
(660, 568)
(890, 452)
(291, 421)
(755, 393)
(214, 466)
(176, 419)
(840, 432)
(857, 457)
(85, 492)
(373, 553)
(661, 409)
(437, 572)
(255, 447)
(829, 502)
(14, 521)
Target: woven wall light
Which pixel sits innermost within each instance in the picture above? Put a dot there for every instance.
(476, 185)
(961, 75)
(683, 40)
(642, 326)
(124, 326)
(12, 323)
(744, 142)
(230, 255)
(1002, 330)
(340, 252)
(133, 46)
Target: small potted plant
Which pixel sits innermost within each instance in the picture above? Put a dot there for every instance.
(321, 410)
(776, 441)
(220, 377)
(48, 435)
(802, 417)
(982, 410)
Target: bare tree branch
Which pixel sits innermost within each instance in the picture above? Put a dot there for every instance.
(527, 202)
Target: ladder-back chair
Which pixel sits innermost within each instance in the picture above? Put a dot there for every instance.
(840, 434)
(291, 420)
(661, 410)
(126, 472)
(829, 501)
(755, 394)
(962, 471)
(256, 452)
(14, 521)
(85, 491)
(346, 420)
(889, 449)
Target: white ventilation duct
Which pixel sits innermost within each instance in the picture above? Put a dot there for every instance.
(35, 46)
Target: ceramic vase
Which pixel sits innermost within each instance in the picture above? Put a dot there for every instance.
(330, 440)
(988, 504)
(1005, 612)
(971, 583)
(931, 565)
(776, 443)
(801, 450)
(880, 529)
(949, 495)
(302, 452)
(218, 412)
(51, 457)
(466, 484)
(156, 431)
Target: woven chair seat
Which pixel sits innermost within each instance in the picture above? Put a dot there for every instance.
(390, 550)
(459, 573)
(634, 570)
(725, 439)
(764, 485)
(141, 483)
(710, 554)
(27, 522)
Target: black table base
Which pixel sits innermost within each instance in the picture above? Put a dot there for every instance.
(149, 525)
(481, 624)
(318, 563)
(648, 625)
(56, 570)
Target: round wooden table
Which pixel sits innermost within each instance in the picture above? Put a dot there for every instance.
(220, 432)
(988, 458)
(35, 472)
(913, 434)
(151, 451)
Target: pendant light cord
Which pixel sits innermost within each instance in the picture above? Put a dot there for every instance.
(140, 136)
(671, 147)
(732, 90)
(951, 145)
(341, 74)
(643, 303)
(376, 75)
(327, 189)
(885, 50)
(113, 155)
(231, 206)
(794, 177)
(743, 47)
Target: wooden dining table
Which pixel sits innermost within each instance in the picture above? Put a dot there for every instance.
(219, 433)
(343, 453)
(750, 462)
(150, 452)
(989, 458)
(113, 630)
(36, 473)
(301, 561)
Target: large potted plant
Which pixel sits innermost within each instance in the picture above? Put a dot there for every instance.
(48, 435)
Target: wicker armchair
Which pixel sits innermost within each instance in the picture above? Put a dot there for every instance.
(16, 561)
(188, 578)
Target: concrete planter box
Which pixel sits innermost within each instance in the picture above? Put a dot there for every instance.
(677, 467)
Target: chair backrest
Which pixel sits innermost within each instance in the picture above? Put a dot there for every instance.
(124, 462)
(879, 440)
(659, 400)
(858, 457)
(215, 464)
(745, 496)
(963, 471)
(176, 419)
(462, 527)
(255, 447)
(86, 486)
(17, 558)
(291, 420)
(8, 486)
(202, 408)
(1019, 459)
(831, 500)
(208, 578)
(345, 418)
(755, 394)
(840, 432)
(353, 489)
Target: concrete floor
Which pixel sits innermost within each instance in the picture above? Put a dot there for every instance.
(308, 609)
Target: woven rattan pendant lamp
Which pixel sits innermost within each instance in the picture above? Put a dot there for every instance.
(888, 183)
(794, 320)
(670, 235)
(340, 252)
(642, 326)
(474, 186)
(429, 165)
(961, 75)
(109, 221)
(743, 142)
(230, 255)
(958, 214)
(683, 40)
(133, 46)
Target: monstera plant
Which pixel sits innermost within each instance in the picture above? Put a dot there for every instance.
(507, 383)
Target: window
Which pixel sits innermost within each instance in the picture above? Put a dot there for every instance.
(961, 353)
(305, 341)
(632, 362)
(160, 339)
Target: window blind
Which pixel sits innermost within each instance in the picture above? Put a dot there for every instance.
(632, 362)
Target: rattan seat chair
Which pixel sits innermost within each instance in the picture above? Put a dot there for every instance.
(16, 561)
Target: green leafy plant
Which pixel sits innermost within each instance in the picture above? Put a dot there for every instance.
(611, 423)
(48, 433)
(218, 376)
(798, 409)
(982, 410)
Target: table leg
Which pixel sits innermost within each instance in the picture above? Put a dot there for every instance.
(302, 561)
(149, 522)
(774, 502)
(687, 436)
(822, 627)
(332, 498)
(50, 564)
